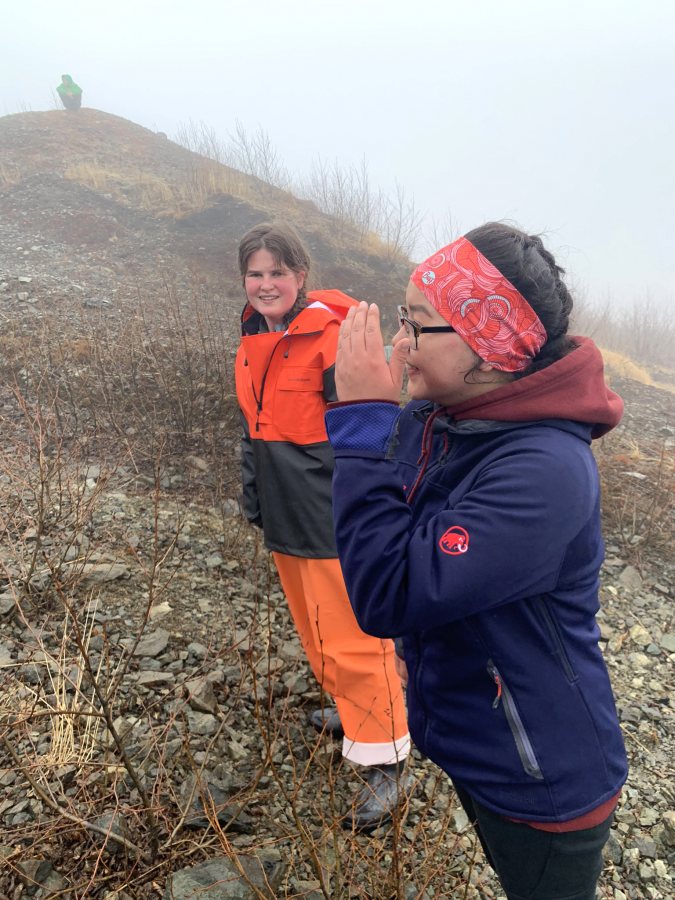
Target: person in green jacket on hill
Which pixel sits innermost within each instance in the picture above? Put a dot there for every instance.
(70, 93)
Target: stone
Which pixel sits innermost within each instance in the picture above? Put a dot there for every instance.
(153, 644)
(631, 579)
(199, 651)
(160, 610)
(152, 678)
(668, 821)
(201, 723)
(640, 636)
(220, 879)
(647, 848)
(460, 819)
(7, 603)
(40, 872)
(196, 462)
(115, 823)
(661, 869)
(613, 850)
(101, 573)
(646, 871)
(97, 303)
(229, 814)
(201, 695)
(668, 642)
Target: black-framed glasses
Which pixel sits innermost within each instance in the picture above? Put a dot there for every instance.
(414, 329)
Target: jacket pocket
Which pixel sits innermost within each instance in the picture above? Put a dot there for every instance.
(524, 746)
(300, 378)
(299, 403)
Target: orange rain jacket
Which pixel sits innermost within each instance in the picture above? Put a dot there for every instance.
(284, 381)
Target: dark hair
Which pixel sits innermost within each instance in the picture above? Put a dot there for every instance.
(285, 245)
(530, 267)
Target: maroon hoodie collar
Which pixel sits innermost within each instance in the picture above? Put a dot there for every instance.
(572, 388)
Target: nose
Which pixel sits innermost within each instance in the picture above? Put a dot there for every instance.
(400, 334)
(266, 281)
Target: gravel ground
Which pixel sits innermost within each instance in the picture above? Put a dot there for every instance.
(218, 688)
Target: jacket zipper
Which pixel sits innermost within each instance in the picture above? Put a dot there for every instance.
(259, 401)
(523, 744)
(552, 628)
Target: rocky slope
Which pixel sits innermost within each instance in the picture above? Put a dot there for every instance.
(218, 685)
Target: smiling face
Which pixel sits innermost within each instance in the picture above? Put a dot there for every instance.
(271, 287)
(437, 369)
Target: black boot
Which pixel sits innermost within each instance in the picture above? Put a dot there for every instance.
(385, 788)
(328, 720)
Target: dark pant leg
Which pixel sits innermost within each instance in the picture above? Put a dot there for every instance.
(539, 865)
(469, 808)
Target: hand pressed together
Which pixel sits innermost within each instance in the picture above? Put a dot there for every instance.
(361, 368)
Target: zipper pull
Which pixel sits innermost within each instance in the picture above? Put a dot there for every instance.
(498, 682)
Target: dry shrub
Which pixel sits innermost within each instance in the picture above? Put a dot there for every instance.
(638, 494)
(622, 366)
(93, 752)
(643, 332)
(9, 175)
(148, 190)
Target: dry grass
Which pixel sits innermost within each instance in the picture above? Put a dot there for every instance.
(622, 366)
(9, 175)
(189, 193)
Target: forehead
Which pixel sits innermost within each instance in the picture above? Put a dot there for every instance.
(417, 303)
(263, 259)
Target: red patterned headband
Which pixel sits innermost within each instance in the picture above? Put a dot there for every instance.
(483, 307)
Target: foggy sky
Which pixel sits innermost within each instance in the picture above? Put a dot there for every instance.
(557, 116)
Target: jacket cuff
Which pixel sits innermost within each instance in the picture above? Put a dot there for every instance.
(361, 426)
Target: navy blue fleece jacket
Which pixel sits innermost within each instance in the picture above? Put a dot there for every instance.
(474, 535)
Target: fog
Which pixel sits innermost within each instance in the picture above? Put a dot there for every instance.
(557, 116)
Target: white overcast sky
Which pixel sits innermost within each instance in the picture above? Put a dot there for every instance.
(558, 116)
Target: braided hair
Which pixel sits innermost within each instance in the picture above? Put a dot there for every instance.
(532, 269)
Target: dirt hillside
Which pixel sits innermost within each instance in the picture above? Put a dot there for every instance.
(91, 190)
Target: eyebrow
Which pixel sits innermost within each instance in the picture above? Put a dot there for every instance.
(418, 310)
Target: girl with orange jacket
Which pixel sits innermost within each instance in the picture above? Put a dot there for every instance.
(285, 378)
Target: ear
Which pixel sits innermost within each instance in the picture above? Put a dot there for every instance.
(300, 276)
(497, 374)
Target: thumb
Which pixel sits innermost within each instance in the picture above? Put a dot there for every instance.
(399, 355)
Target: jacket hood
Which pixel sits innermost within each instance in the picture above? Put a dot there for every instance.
(573, 388)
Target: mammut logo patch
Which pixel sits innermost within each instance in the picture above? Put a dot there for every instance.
(454, 541)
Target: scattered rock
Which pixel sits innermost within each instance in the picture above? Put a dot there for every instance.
(631, 579)
(152, 645)
(222, 879)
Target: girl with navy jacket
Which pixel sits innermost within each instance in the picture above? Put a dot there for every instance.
(468, 528)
